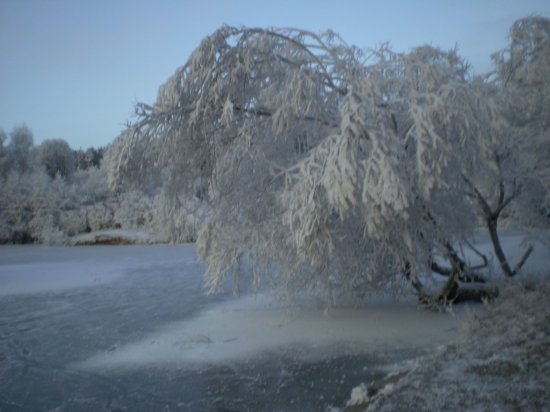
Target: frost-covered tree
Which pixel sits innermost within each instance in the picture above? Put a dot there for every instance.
(29, 208)
(89, 204)
(523, 81)
(4, 166)
(90, 158)
(414, 132)
(19, 149)
(57, 158)
(15, 209)
(320, 166)
(517, 185)
(522, 71)
(223, 145)
(47, 198)
(38, 203)
(16, 163)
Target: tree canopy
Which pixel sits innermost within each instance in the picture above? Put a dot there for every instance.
(325, 166)
(57, 157)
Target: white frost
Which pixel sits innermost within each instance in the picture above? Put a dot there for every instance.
(359, 395)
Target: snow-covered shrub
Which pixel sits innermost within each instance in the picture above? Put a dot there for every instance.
(16, 208)
(89, 204)
(30, 207)
(99, 216)
(134, 209)
(49, 233)
(91, 186)
(179, 221)
(73, 222)
(50, 198)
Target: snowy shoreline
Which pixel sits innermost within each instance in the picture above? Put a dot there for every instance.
(116, 237)
(502, 362)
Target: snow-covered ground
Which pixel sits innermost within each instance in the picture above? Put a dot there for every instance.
(500, 363)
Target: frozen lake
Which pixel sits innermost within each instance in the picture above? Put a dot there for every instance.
(129, 328)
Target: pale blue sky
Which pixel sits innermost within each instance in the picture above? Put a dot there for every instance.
(73, 69)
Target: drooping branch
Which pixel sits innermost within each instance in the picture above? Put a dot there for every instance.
(481, 255)
(523, 259)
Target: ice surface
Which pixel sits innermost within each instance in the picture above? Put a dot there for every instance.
(236, 330)
(243, 328)
(36, 269)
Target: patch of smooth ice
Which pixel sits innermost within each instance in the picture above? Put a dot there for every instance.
(37, 269)
(54, 276)
(237, 330)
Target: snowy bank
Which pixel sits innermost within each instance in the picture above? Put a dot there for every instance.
(502, 362)
(115, 237)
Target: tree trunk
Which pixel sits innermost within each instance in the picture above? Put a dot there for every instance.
(492, 223)
(478, 294)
